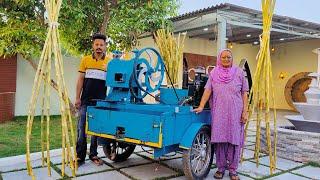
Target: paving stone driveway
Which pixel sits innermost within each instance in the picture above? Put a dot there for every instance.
(140, 165)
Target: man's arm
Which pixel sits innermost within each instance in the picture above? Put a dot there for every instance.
(79, 89)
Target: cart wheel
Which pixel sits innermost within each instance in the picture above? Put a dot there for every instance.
(198, 159)
(118, 151)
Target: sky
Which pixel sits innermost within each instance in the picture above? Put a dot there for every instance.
(308, 10)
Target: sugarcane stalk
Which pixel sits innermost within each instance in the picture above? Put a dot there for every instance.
(267, 112)
(48, 79)
(51, 46)
(171, 49)
(262, 89)
(63, 140)
(42, 125)
(68, 116)
(64, 123)
(32, 104)
(274, 124)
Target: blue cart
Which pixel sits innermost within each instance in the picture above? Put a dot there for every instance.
(124, 120)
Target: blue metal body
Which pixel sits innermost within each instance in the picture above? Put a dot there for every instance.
(166, 126)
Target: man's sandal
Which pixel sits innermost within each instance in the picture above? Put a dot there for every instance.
(80, 162)
(218, 175)
(234, 176)
(96, 160)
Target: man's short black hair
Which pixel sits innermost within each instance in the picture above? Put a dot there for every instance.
(99, 36)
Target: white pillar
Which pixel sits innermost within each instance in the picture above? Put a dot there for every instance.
(318, 78)
(317, 51)
(222, 33)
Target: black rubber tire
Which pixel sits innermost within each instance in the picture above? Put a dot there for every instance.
(118, 157)
(187, 168)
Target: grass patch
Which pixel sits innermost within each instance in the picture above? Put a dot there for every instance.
(314, 164)
(13, 135)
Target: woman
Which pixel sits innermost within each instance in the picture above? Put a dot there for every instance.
(227, 89)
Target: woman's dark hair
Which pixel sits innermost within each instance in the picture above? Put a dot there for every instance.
(99, 36)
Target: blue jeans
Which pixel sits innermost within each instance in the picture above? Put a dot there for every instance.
(82, 137)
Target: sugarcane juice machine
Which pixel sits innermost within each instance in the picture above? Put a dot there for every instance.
(124, 120)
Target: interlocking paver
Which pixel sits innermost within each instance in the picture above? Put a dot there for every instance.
(19, 165)
(175, 164)
(287, 176)
(39, 173)
(252, 126)
(19, 162)
(86, 168)
(251, 138)
(132, 160)
(247, 154)
(211, 173)
(251, 147)
(149, 171)
(57, 158)
(103, 176)
(251, 133)
(250, 168)
(282, 164)
(309, 171)
(226, 175)
(248, 143)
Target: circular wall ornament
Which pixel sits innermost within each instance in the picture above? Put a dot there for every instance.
(295, 88)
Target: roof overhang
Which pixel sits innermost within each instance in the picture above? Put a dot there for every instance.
(243, 25)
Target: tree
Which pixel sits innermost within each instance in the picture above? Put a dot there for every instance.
(121, 20)
(23, 24)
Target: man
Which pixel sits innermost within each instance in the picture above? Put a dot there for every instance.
(90, 86)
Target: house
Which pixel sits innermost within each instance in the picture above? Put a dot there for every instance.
(239, 28)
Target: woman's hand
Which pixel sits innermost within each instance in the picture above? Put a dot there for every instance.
(244, 116)
(198, 110)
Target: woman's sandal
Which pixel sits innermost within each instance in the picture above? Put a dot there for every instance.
(218, 175)
(234, 176)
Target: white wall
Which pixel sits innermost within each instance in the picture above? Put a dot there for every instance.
(25, 78)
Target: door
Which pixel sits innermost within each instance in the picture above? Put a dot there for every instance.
(8, 77)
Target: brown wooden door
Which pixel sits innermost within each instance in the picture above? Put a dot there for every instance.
(8, 77)
(195, 60)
